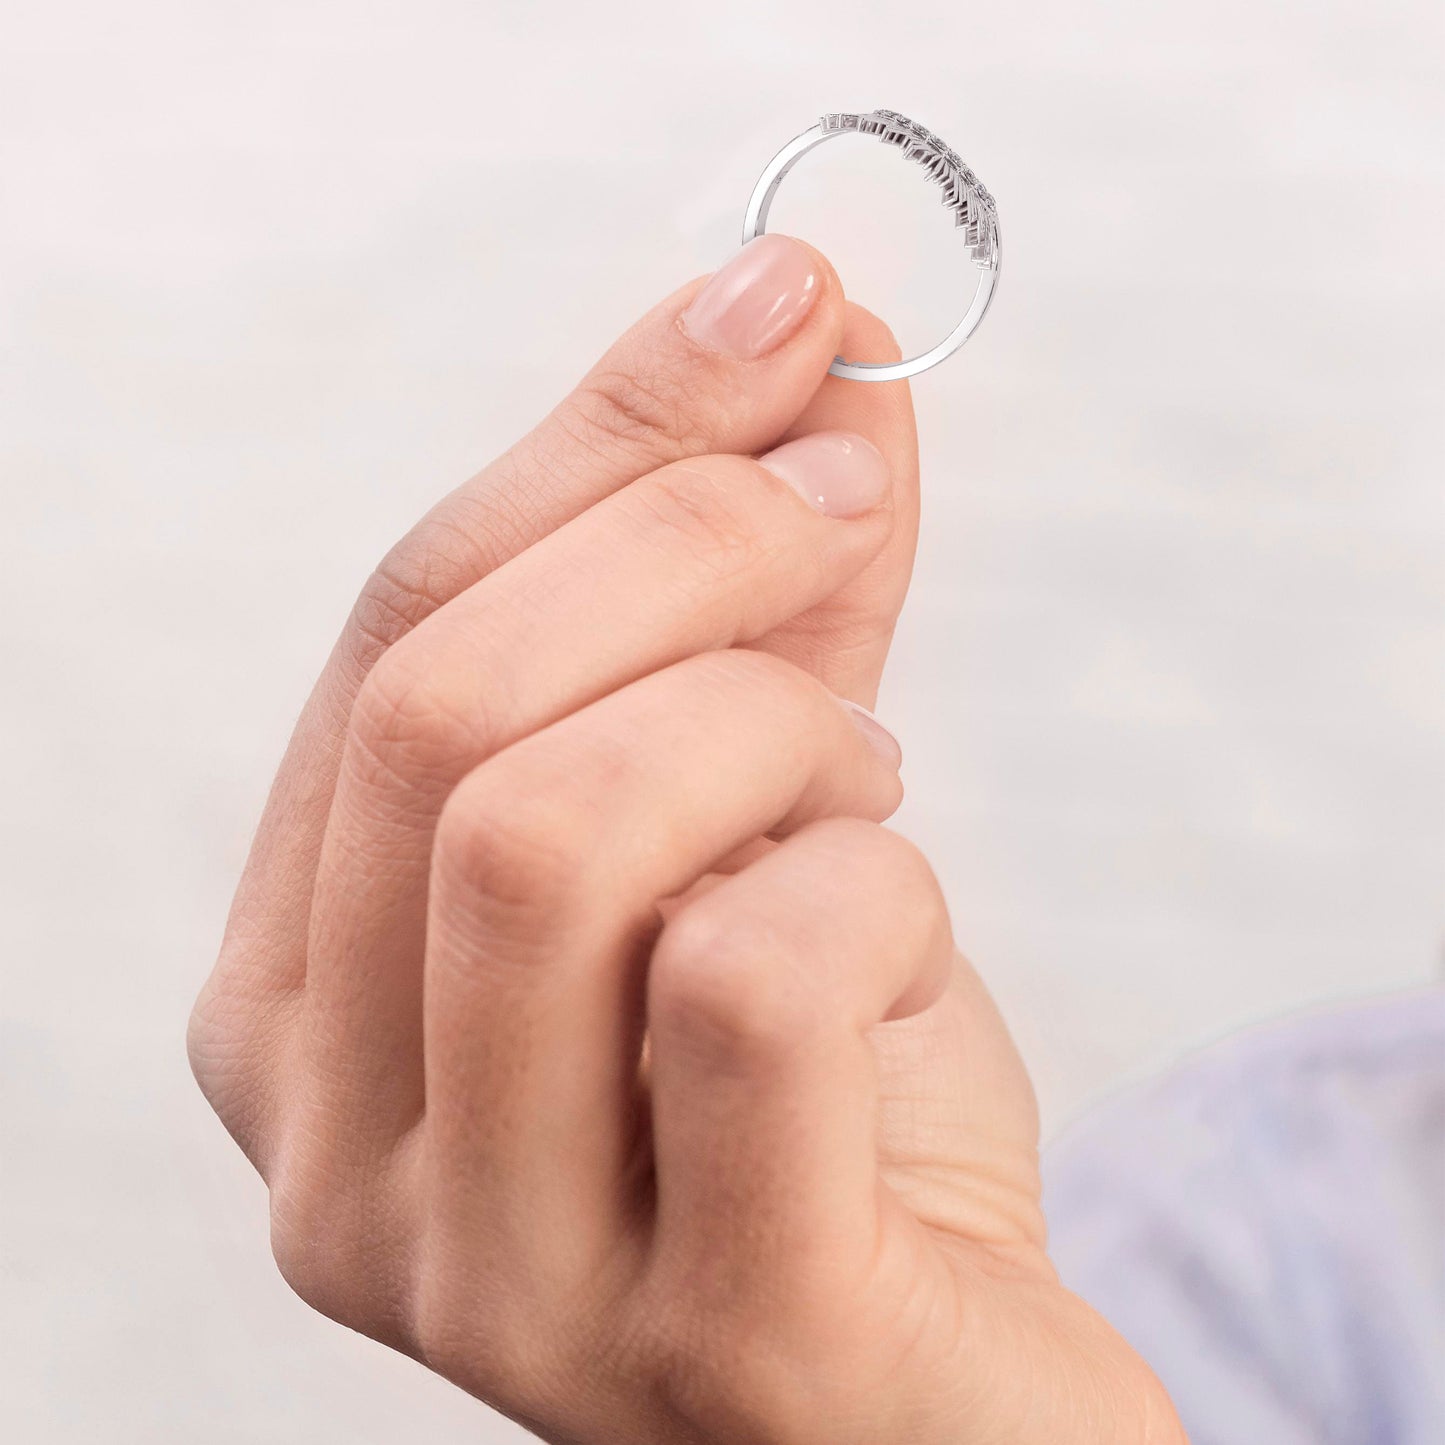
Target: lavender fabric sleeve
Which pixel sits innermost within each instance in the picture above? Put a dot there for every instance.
(1265, 1226)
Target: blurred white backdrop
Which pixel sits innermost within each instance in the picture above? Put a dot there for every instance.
(274, 275)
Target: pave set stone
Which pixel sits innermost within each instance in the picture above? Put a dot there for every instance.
(973, 207)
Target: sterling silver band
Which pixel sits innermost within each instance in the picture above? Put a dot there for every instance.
(974, 212)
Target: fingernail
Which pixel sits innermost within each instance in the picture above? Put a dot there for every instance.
(874, 733)
(757, 300)
(839, 473)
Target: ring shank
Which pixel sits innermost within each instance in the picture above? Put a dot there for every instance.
(755, 223)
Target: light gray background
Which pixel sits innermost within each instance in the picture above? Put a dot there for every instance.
(273, 275)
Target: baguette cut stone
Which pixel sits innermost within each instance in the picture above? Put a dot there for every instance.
(975, 210)
(975, 220)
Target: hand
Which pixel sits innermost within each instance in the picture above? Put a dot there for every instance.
(598, 1047)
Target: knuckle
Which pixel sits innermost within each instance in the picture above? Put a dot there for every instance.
(209, 1048)
(416, 577)
(230, 1042)
(306, 1268)
(894, 868)
(500, 1352)
(308, 1245)
(729, 986)
(452, 547)
(882, 853)
(649, 417)
(395, 598)
(519, 844)
(411, 724)
(900, 866)
(340, 1247)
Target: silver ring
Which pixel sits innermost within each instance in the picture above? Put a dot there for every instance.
(973, 208)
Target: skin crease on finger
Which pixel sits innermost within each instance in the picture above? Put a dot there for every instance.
(650, 1100)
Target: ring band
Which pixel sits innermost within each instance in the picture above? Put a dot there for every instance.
(974, 211)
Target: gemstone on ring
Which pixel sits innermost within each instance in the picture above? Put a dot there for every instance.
(974, 209)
